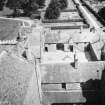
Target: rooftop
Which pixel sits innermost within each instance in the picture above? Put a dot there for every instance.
(66, 73)
(61, 36)
(97, 43)
(64, 24)
(69, 15)
(58, 56)
(64, 57)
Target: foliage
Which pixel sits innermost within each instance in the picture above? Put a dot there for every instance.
(27, 6)
(52, 14)
(16, 13)
(53, 11)
(101, 0)
(54, 8)
(30, 7)
(2, 2)
(54, 4)
(63, 4)
(101, 13)
(41, 3)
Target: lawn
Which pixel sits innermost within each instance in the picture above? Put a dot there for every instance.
(8, 29)
(5, 12)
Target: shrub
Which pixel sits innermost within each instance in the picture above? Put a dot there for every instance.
(63, 4)
(2, 2)
(41, 3)
(54, 8)
(53, 11)
(101, 13)
(27, 6)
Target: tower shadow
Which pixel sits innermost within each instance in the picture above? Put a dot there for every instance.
(91, 92)
(94, 91)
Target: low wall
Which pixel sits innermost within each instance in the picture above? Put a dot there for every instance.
(66, 10)
(68, 27)
(61, 21)
(8, 42)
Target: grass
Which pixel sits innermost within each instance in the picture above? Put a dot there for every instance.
(14, 79)
(5, 12)
(8, 29)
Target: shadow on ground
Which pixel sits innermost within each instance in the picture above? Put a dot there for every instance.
(94, 91)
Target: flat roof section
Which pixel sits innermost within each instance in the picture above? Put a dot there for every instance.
(62, 36)
(69, 15)
(66, 73)
(58, 56)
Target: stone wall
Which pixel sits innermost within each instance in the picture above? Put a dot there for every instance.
(8, 42)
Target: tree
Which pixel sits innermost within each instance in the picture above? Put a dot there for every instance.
(28, 6)
(101, 0)
(101, 13)
(41, 3)
(14, 4)
(54, 4)
(2, 2)
(53, 11)
(52, 14)
(63, 4)
(16, 13)
(19, 6)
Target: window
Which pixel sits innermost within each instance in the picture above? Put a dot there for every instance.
(63, 85)
(71, 48)
(60, 46)
(46, 49)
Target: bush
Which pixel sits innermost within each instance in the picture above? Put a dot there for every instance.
(16, 13)
(41, 3)
(101, 13)
(63, 4)
(2, 2)
(53, 11)
(55, 6)
(27, 6)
